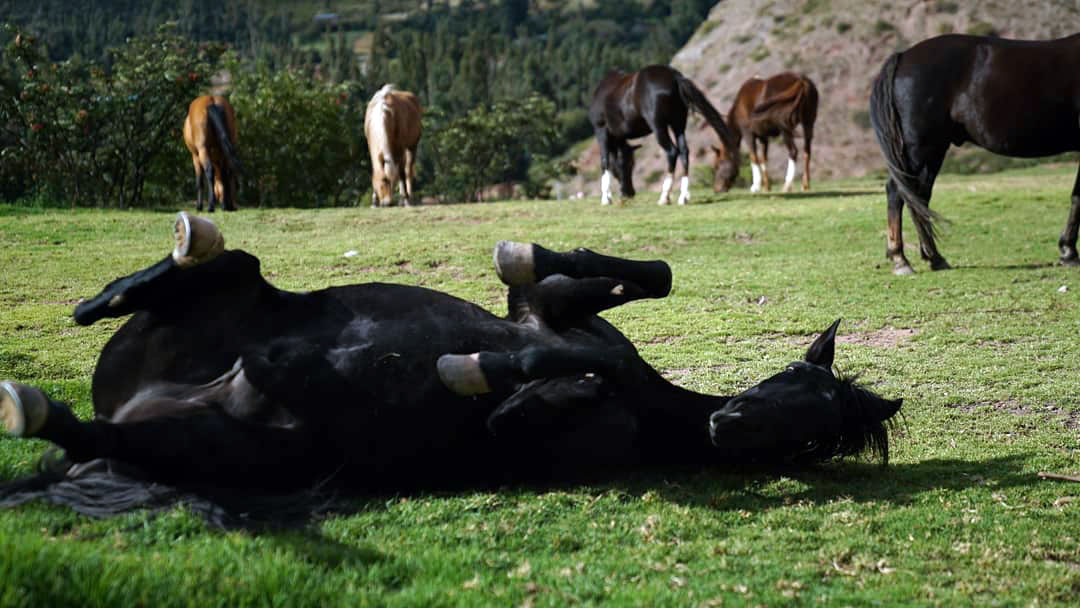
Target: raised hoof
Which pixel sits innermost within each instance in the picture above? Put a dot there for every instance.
(23, 409)
(462, 374)
(198, 240)
(515, 263)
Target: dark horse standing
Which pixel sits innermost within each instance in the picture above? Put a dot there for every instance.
(655, 99)
(1011, 97)
(221, 380)
(768, 108)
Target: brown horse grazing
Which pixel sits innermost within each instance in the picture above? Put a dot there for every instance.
(392, 128)
(1012, 97)
(655, 99)
(764, 109)
(210, 135)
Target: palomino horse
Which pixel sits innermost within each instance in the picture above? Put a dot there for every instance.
(1011, 97)
(655, 99)
(392, 128)
(210, 135)
(221, 380)
(768, 108)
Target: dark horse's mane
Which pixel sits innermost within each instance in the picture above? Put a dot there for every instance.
(857, 436)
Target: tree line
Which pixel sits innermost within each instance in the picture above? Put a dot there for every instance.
(93, 100)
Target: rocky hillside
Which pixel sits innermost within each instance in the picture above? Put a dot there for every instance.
(841, 45)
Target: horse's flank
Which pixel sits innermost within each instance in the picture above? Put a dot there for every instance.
(392, 127)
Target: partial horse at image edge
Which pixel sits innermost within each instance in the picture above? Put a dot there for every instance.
(765, 108)
(392, 126)
(1011, 97)
(210, 136)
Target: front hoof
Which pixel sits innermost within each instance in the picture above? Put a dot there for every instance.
(903, 270)
(462, 374)
(198, 240)
(23, 409)
(1072, 260)
(514, 263)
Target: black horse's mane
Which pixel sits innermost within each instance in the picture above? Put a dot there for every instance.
(867, 419)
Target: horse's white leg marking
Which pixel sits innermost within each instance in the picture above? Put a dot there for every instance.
(605, 188)
(665, 190)
(756, 171)
(790, 177)
(684, 190)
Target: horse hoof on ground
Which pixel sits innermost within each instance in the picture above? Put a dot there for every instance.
(1073, 261)
(462, 374)
(198, 240)
(903, 270)
(23, 409)
(939, 264)
(514, 263)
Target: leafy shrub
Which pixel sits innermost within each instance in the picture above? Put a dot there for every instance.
(87, 135)
(982, 28)
(301, 139)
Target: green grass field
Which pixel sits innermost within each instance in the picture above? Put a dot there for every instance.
(984, 355)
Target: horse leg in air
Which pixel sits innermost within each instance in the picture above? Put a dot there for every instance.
(192, 444)
(525, 263)
(793, 156)
(672, 154)
(684, 154)
(1067, 242)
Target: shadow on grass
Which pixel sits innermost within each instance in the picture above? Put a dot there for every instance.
(711, 198)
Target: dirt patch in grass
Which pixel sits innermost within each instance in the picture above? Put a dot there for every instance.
(1069, 418)
(886, 337)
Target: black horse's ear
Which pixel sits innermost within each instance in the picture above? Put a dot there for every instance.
(822, 351)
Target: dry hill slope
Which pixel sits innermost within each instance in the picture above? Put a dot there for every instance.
(841, 45)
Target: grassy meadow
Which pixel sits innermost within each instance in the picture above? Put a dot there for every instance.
(985, 356)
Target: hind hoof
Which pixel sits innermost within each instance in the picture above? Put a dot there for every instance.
(462, 374)
(198, 240)
(515, 263)
(23, 409)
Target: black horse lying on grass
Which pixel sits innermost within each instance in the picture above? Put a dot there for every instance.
(219, 380)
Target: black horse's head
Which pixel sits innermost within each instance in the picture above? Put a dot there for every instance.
(623, 163)
(807, 411)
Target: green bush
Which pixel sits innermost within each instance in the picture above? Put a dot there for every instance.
(301, 139)
(77, 132)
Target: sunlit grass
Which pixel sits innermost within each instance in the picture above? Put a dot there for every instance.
(984, 355)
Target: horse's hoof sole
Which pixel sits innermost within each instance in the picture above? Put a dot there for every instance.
(514, 263)
(462, 374)
(198, 240)
(22, 409)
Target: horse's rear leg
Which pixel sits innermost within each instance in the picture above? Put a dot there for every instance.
(793, 156)
(203, 445)
(672, 154)
(561, 302)
(929, 158)
(198, 182)
(525, 263)
(895, 240)
(808, 137)
(485, 372)
(410, 172)
(755, 161)
(1067, 242)
(211, 186)
(684, 155)
(764, 164)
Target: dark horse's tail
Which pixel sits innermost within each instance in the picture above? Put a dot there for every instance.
(886, 123)
(217, 119)
(694, 98)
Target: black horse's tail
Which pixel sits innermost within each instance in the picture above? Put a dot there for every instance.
(217, 119)
(694, 98)
(106, 493)
(886, 123)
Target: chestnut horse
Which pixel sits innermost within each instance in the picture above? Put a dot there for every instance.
(768, 108)
(210, 136)
(655, 99)
(1012, 97)
(392, 128)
